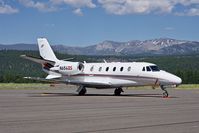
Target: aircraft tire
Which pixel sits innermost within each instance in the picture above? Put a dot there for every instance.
(165, 94)
(82, 92)
(117, 91)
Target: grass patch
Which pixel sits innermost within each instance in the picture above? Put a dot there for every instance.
(188, 86)
(139, 88)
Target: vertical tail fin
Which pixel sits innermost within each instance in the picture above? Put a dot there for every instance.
(45, 50)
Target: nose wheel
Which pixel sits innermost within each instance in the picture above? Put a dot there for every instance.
(118, 91)
(165, 93)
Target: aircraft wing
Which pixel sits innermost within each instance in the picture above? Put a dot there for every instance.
(100, 81)
(89, 82)
(37, 60)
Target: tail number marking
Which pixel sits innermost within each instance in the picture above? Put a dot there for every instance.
(66, 68)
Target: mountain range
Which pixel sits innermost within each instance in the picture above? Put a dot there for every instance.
(161, 46)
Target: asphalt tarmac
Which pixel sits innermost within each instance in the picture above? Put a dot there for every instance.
(57, 110)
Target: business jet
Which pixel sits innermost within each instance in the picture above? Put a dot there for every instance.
(115, 75)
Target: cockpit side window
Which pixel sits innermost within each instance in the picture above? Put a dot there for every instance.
(154, 68)
(148, 69)
(143, 69)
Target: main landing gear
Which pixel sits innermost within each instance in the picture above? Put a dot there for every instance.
(165, 93)
(118, 91)
(81, 90)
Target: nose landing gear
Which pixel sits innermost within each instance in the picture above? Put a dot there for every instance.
(165, 93)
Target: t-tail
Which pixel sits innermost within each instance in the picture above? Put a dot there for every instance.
(47, 59)
(51, 65)
(45, 50)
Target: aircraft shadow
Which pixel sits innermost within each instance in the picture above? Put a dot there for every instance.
(94, 95)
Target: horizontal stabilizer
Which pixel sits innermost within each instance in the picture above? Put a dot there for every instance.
(37, 60)
(37, 78)
(44, 79)
(68, 59)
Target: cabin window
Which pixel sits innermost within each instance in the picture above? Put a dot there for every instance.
(114, 69)
(148, 68)
(143, 69)
(129, 69)
(121, 69)
(107, 69)
(91, 69)
(154, 68)
(100, 69)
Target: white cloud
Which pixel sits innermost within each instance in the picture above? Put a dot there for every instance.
(42, 6)
(169, 28)
(193, 12)
(122, 7)
(117, 7)
(75, 3)
(78, 12)
(190, 12)
(185, 2)
(54, 5)
(7, 9)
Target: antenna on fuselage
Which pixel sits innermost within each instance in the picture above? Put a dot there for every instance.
(104, 61)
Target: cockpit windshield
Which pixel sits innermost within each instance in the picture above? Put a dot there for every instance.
(154, 68)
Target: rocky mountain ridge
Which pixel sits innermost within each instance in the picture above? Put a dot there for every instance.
(161, 46)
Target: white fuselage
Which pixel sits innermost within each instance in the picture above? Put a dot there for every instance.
(110, 75)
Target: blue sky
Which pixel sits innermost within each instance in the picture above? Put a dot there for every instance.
(87, 22)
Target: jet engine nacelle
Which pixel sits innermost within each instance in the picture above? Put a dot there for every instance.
(69, 68)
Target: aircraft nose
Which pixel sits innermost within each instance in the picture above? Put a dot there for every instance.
(171, 78)
(178, 80)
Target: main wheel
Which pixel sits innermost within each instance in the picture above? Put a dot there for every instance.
(118, 91)
(83, 91)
